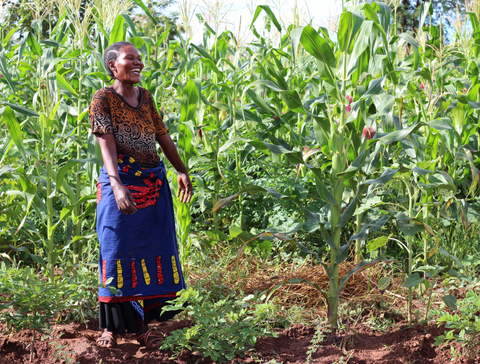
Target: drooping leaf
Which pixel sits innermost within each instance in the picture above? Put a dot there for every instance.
(145, 9)
(131, 25)
(359, 268)
(65, 85)
(425, 10)
(416, 53)
(269, 13)
(348, 28)
(450, 301)
(14, 130)
(377, 243)
(20, 109)
(189, 101)
(413, 280)
(5, 71)
(318, 47)
(117, 34)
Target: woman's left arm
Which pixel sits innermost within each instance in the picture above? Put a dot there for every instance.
(185, 189)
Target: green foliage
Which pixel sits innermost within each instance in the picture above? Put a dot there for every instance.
(222, 329)
(34, 301)
(315, 343)
(464, 326)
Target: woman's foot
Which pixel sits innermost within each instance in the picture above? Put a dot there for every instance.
(107, 340)
(149, 340)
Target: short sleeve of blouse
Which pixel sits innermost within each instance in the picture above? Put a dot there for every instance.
(160, 127)
(100, 116)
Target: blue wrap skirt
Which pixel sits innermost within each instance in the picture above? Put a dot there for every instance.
(139, 260)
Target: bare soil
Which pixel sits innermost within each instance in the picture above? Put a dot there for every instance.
(75, 343)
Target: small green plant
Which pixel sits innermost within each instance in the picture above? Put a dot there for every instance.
(381, 323)
(344, 359)
(222, 329)
(33, 300)
(464, 326)
(60, 354)
(317, 339)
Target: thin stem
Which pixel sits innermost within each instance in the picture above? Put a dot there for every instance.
(32, 348)
(50, 214)
(429, 301)
(358, 242)
(77, 210)
(410, 252)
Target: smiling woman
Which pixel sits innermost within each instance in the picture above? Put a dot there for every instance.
(135, 223)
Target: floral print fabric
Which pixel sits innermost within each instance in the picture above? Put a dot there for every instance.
(134, 128)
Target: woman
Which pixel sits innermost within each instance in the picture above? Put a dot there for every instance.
(135, 223)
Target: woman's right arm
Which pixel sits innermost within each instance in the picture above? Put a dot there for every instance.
(123, 197)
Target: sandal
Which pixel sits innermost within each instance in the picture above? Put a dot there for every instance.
(108, 337)
(148, 339)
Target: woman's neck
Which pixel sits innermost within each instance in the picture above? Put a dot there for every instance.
(127, 90)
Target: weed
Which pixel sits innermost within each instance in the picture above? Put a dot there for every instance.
(389, 348)
(464, 327)
(222, 329)
(381, 323)
(60, 353)
(318, 337)
(344, 359)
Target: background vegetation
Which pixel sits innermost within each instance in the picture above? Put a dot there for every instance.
(354, 143)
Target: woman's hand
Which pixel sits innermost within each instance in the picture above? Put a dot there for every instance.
(124, 199)
(185, 189)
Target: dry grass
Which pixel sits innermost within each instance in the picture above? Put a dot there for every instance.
(256, 276)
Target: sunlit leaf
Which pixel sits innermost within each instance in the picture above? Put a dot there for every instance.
(377, 243)
(14, 129)
(269, 13)
(117, 34)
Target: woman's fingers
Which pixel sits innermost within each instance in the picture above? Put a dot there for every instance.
(188, 192)
(132, 203)
(126, 202)
(185, 190)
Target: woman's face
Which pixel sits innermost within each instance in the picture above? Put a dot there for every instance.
(128, 65)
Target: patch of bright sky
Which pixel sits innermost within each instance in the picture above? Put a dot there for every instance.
(238, 15)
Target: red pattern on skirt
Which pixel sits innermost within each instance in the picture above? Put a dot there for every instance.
(99, 192)
(104, 272)
(146, 196)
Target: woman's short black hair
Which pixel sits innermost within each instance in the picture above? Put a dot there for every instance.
(111, 54)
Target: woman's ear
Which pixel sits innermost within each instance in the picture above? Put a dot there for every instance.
(111, 65)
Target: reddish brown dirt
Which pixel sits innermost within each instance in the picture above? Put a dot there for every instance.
(77, 342)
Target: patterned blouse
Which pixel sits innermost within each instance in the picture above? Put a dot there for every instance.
(135, 128)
